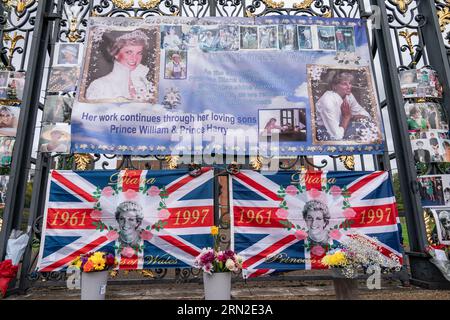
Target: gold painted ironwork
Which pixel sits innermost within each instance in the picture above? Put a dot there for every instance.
(74, 33)
(327, 14)
(248, 13)
(172, 161)
(147, 273)
(444, 16)
(122, 4)
(305, 4)
(429, 225)
(148, 4)
(348, 161)
(19, 5)
(407, 35)
(273, 4)
(13, 43)
(402, 5)
(113, 273)
(82, 160)
(256, 162)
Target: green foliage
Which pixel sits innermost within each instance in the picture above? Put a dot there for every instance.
(398, 195)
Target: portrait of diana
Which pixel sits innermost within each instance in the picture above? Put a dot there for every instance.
(121, 66)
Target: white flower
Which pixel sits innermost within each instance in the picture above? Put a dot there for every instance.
(230, 265)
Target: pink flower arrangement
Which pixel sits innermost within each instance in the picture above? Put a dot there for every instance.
(163, 214)
(317, 250)
(112, 235)
(282, 213)
(349, 213)
(153, 191)
(146, 235)
(300, 234)
(335, 234)
(127, 252)
(130, 194)
(291, 190)
(107, 191)
(96, 215)
(211, 261)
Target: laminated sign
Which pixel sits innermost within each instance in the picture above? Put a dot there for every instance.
(279, 85)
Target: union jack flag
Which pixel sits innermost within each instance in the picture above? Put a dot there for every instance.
(271, 232)
(170, 213)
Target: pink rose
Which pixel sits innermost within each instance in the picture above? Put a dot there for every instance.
(130, 194)
(315, 194)
(146, 235)
(153, 191)
(291, 190)
(335, 191)
(318, 251)
(335, 234)
(112, 235)
(107, 192)
(349, 213)
(282, 213)
(163, 214)
(96, 215)
(300, 235)
(127, 252)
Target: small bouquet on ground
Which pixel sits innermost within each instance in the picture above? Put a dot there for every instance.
(358, 252)
(95, 261)
(212, 260)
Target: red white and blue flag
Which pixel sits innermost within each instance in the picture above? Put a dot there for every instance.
(170, 211)
(271, 228)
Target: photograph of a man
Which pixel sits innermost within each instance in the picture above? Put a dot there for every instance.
(421, 154)
(317, 217)
(129, 216)
(121, 66)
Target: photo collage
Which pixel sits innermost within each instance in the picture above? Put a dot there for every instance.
(420, 83)
(435, 196)
(55, 130)
(428, 124)
(177, 40)
(11, 93)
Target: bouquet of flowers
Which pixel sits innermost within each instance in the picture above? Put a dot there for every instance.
(95, 261)
(359, 252)
(212, 260)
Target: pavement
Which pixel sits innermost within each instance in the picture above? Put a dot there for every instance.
(254, 290)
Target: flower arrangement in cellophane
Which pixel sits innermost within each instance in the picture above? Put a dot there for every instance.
(95, 261)
(213, 260)
(360, 252)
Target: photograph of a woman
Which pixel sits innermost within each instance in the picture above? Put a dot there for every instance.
(8, 121)
(55, 138)
(120, 66)
(343, 106)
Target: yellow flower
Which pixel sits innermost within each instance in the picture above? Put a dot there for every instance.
(98, 260)
(214, 230)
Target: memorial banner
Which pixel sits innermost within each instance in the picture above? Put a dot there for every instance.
(170, 85)
(289, 220)
(148, 219)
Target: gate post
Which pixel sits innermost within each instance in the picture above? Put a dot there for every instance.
(27, 121)
(437, 56)
(423, 272)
